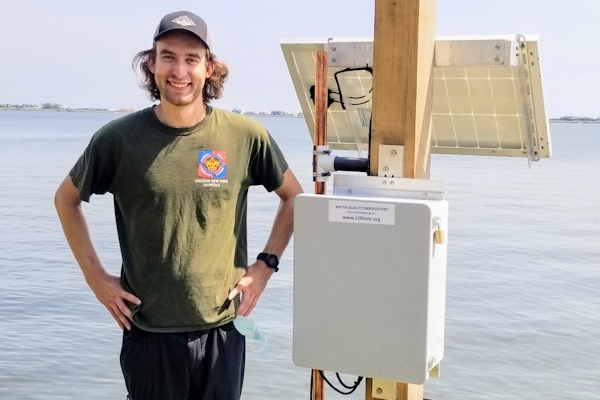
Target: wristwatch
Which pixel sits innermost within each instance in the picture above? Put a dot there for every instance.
(270, 259)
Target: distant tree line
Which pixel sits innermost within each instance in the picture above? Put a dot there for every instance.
(44, 106)
(19, 105)
(52, 106)
(47, 106)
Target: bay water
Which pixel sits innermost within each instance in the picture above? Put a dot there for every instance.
(523, 297)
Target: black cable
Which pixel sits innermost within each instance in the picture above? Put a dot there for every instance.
(352, 388)
(369, 153)
(331, 100)
(337, 82)
(342, 382)
(360, 97)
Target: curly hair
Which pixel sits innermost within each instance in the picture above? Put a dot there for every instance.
(213, 87)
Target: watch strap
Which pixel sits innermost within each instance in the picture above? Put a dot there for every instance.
(270, 260)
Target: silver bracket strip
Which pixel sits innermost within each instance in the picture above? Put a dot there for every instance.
(528, 125)
(377, 186)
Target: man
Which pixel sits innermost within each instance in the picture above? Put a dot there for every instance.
(179, 173)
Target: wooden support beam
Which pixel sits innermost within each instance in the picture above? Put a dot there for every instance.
(403, 82)
(407, 391)
(402, 99)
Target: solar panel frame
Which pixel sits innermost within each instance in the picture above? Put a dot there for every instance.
(488, 105)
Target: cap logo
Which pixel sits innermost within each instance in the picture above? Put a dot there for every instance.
(184, 20)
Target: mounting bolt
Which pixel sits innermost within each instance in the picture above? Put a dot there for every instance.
(424, 195)
(498, 46)
(333, 48)
(385, 169)
(379, 391)
(497, 59)
(349, 190)
(393, 153)
(333, 59)
(384, 182)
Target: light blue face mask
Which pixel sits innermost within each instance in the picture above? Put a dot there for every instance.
(247, 327)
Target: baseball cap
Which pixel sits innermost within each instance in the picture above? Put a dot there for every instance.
(184, 21)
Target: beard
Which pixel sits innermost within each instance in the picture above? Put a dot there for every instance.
(179, 99)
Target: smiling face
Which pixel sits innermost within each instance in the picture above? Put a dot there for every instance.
(180, 68)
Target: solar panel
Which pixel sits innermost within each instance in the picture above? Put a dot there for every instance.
(487, 93)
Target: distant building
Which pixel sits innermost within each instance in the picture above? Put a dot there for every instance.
(237, 111)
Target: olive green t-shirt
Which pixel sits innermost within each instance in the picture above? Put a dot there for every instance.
(180, 200)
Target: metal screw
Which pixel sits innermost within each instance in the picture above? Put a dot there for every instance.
(333, 48)
(393, 153)
(349, 190)
(385, 182)
(392, 183)
(424, 195)
(333, 60)
(379, 391)
(498, 46)
(497, 59)
(385, 169)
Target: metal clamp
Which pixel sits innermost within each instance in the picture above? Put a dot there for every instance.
(324, 159)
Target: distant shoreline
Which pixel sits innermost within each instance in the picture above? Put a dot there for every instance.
(562, 121)
(76, 110)
(68, 110)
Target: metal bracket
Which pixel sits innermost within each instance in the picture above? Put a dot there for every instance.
(378, 186)
(382, 389)
(350, 54)
(528, 126)
(461, 53)
(324, 161)
(391, 161)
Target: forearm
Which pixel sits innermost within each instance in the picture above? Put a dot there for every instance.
(77, 233)
(283, 227)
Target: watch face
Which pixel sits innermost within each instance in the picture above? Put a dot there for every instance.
(271, 260)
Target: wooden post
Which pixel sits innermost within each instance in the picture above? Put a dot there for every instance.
(402, 98)
(403, 82)
(319, 140)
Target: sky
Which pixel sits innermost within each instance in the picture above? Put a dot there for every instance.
(79, 53)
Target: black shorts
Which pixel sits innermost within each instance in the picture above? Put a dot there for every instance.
(200, 365)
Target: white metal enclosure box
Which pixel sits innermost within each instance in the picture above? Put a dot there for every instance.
(369, 285)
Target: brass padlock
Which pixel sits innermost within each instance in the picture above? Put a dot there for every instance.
(439, 236)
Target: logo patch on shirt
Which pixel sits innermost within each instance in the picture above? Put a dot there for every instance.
(212, 164)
